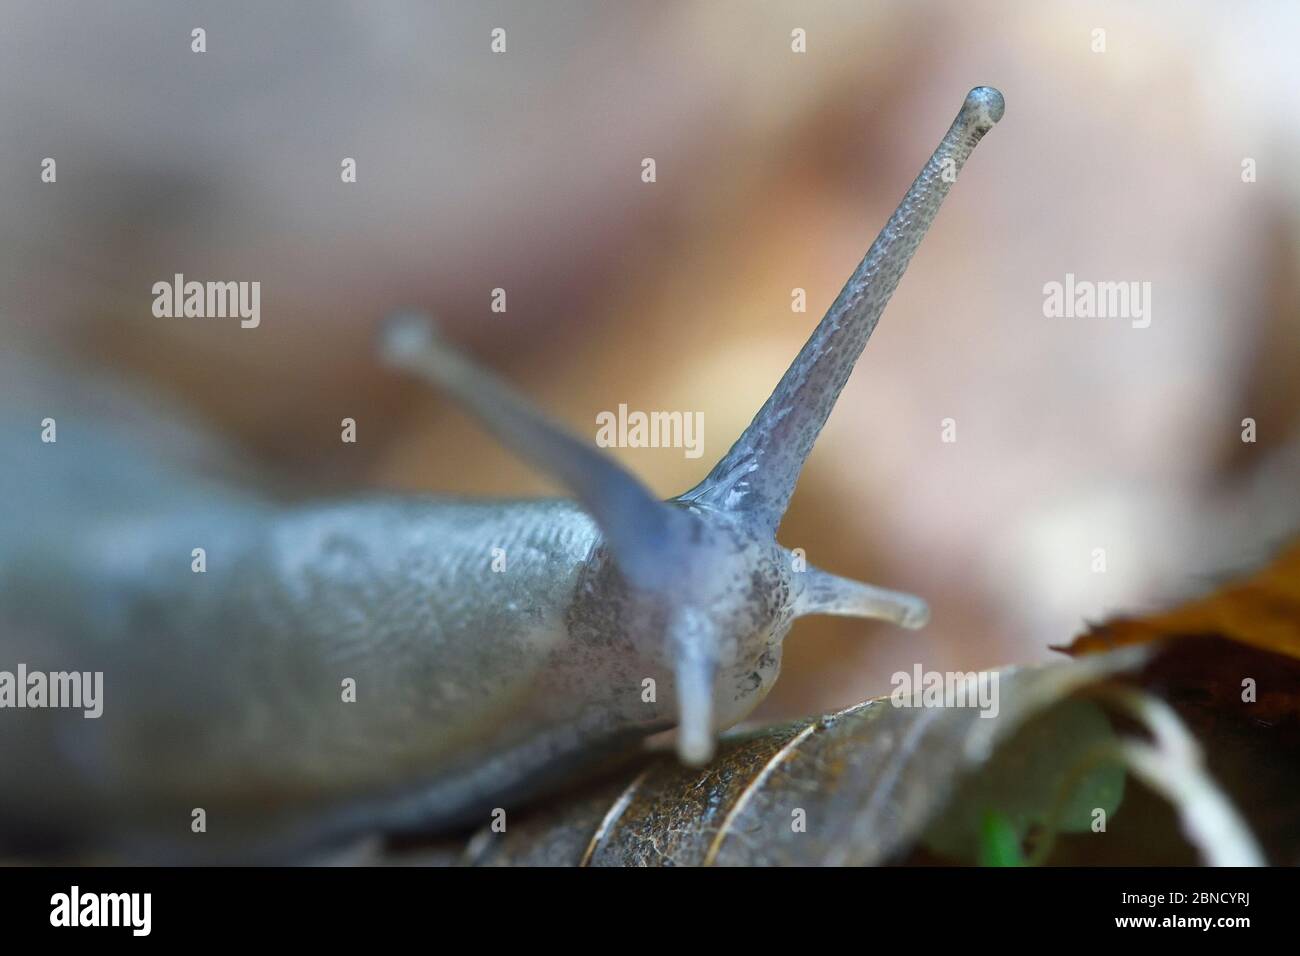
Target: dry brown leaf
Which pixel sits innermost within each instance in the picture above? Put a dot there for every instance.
(868, 781)
(1261, 610)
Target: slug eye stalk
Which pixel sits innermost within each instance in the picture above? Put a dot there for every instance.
(658, 548)
(635, 524)
(757, 476)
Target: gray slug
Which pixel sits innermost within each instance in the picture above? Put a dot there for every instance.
(221, 695)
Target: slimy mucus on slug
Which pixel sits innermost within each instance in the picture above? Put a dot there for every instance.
(473, 689)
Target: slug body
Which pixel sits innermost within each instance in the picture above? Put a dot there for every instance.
(493, 647)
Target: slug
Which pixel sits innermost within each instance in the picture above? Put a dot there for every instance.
(341, 667)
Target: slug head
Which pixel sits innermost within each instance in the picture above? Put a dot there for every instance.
(703, 570)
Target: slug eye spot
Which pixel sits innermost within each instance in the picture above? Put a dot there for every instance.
(988, 106)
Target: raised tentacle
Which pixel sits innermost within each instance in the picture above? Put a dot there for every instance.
(636, 525)
(758, 475)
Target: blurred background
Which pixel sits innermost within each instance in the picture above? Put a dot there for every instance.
(774, 171)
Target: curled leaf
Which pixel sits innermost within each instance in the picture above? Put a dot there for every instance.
(1261, 610)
